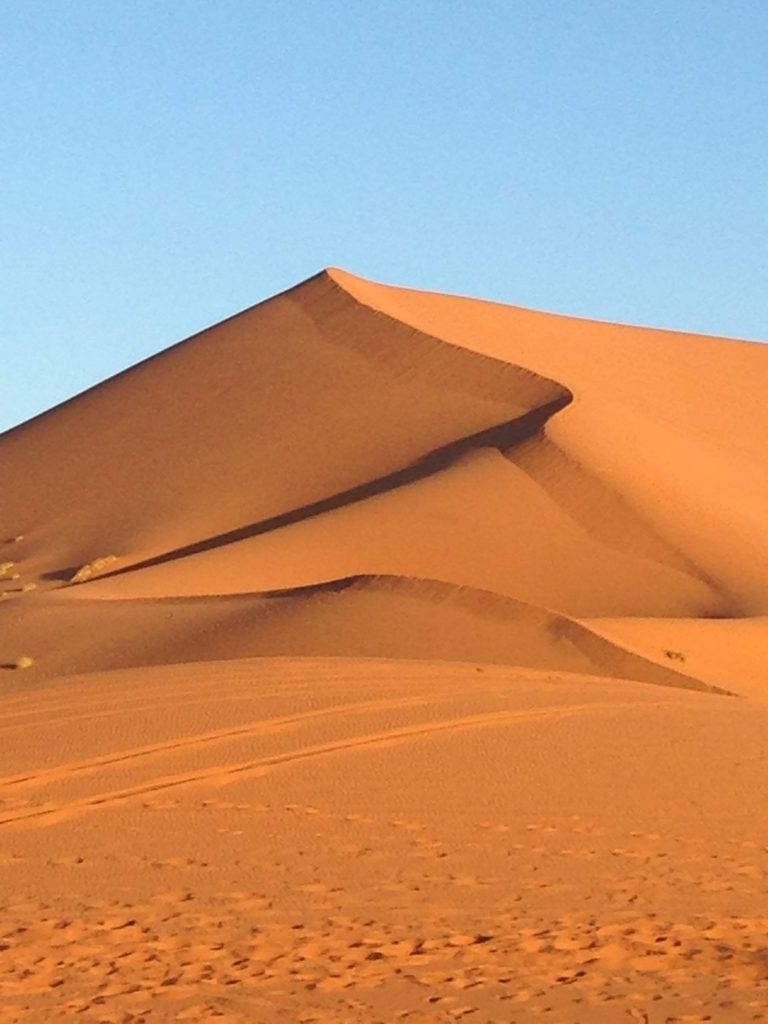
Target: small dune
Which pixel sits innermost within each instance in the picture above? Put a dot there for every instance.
(362, 617)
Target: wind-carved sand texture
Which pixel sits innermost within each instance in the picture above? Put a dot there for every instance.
(377, 655)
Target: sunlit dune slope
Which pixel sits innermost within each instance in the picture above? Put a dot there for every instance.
(677, 423)
(724, 652)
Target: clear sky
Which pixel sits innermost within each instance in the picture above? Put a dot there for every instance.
(165, 163)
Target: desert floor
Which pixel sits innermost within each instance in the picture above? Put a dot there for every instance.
(341, 840)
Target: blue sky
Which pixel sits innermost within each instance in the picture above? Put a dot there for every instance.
(165, 164)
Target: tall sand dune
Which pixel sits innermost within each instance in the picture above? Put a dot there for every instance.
(284, 406)
(381, 655)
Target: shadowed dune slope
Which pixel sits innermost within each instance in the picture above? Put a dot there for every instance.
(385, 617)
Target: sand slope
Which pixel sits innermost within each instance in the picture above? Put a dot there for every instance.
(362, 617)
(723, 652)
(484, 522)
(424, 677)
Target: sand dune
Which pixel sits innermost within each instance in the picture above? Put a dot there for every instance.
(384, 617)
(416, 667)
(484, 522)
(288, 404)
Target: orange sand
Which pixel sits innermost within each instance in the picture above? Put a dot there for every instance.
(425, 675)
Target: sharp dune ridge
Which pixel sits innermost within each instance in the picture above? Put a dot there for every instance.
(377, 654)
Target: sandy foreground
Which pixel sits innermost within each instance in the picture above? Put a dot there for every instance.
(378, 655)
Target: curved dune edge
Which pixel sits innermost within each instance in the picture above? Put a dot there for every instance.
(380, 617)
(499, 437)
(285, 406)
(685, 446)
(607, 657)
(369, 667)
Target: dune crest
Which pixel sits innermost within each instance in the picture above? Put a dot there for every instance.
(188, 441)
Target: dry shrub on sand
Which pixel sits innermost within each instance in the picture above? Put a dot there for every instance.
(92, 568)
